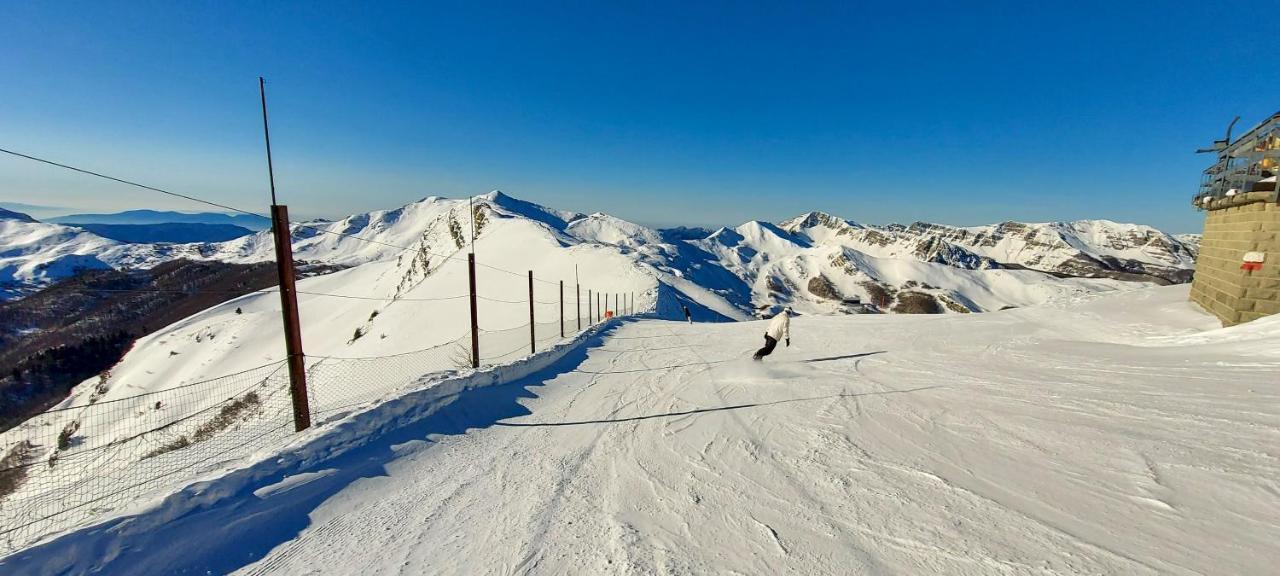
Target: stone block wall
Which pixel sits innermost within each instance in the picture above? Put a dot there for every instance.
(1221, 286)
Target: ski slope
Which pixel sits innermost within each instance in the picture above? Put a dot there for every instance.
(1120, 434)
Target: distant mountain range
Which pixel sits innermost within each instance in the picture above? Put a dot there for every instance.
(179, 233)
(165, 217)
(816, 262)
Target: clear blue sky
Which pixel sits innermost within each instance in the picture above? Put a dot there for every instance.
(679, 113)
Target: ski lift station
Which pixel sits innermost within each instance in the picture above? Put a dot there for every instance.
(1238, 268)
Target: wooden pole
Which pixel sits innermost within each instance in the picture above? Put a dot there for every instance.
(533, 338)
(292, 324)
(475, 322)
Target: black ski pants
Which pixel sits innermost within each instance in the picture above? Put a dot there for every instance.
(769, 344)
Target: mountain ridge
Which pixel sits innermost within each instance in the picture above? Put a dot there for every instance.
(146, 216)
(758, 265)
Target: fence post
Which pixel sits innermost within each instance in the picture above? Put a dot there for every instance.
(562, 309)
(533, 337)
(590, 315)
(598, 312)
(475, 323)
(289, 309)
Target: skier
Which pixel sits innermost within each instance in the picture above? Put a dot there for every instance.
(779, 329)
(688, 316)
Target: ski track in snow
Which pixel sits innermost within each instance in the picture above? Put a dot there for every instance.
(1035, 441)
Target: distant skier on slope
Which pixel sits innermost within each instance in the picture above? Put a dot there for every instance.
(779, 329)
(688, 316)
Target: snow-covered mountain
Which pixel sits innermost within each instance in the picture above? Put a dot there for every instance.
(816, 262)
(35, 253)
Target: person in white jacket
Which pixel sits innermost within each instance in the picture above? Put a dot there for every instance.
(779, 329)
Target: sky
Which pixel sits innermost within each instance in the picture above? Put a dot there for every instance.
(666, 114)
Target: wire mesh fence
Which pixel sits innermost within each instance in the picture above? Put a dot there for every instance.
(74, 465)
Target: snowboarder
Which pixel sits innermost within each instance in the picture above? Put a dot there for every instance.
(779, 329)
(688, 316)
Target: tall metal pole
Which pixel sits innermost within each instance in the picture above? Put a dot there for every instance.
(533, 337)
(591, 318)
(577, 306)
(288, 290)
(562, 308)
(266, 134)
(475, 323)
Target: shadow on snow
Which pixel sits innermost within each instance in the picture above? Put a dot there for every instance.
(235, 527)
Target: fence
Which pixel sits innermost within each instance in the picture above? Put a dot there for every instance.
(70, 466)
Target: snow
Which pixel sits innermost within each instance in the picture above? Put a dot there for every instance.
(755, 266)
(1106, 433)
(34, 252)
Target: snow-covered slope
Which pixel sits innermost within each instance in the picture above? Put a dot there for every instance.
(1116, 434)
(35, 253)
(406, 307)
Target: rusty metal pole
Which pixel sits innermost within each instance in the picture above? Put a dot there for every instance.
(533, 338)
(562, 308)
(475, 323)
(292, 325)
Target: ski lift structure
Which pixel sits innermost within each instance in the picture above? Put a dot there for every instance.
(1246, 168)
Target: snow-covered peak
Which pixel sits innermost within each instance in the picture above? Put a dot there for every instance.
(817, 219)
(557, 219)
(769, 236)
(34, 253)
(606, 229)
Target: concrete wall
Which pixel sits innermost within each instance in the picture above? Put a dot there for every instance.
(1220, 286)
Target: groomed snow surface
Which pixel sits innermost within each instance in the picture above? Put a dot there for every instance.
(1117, 434)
